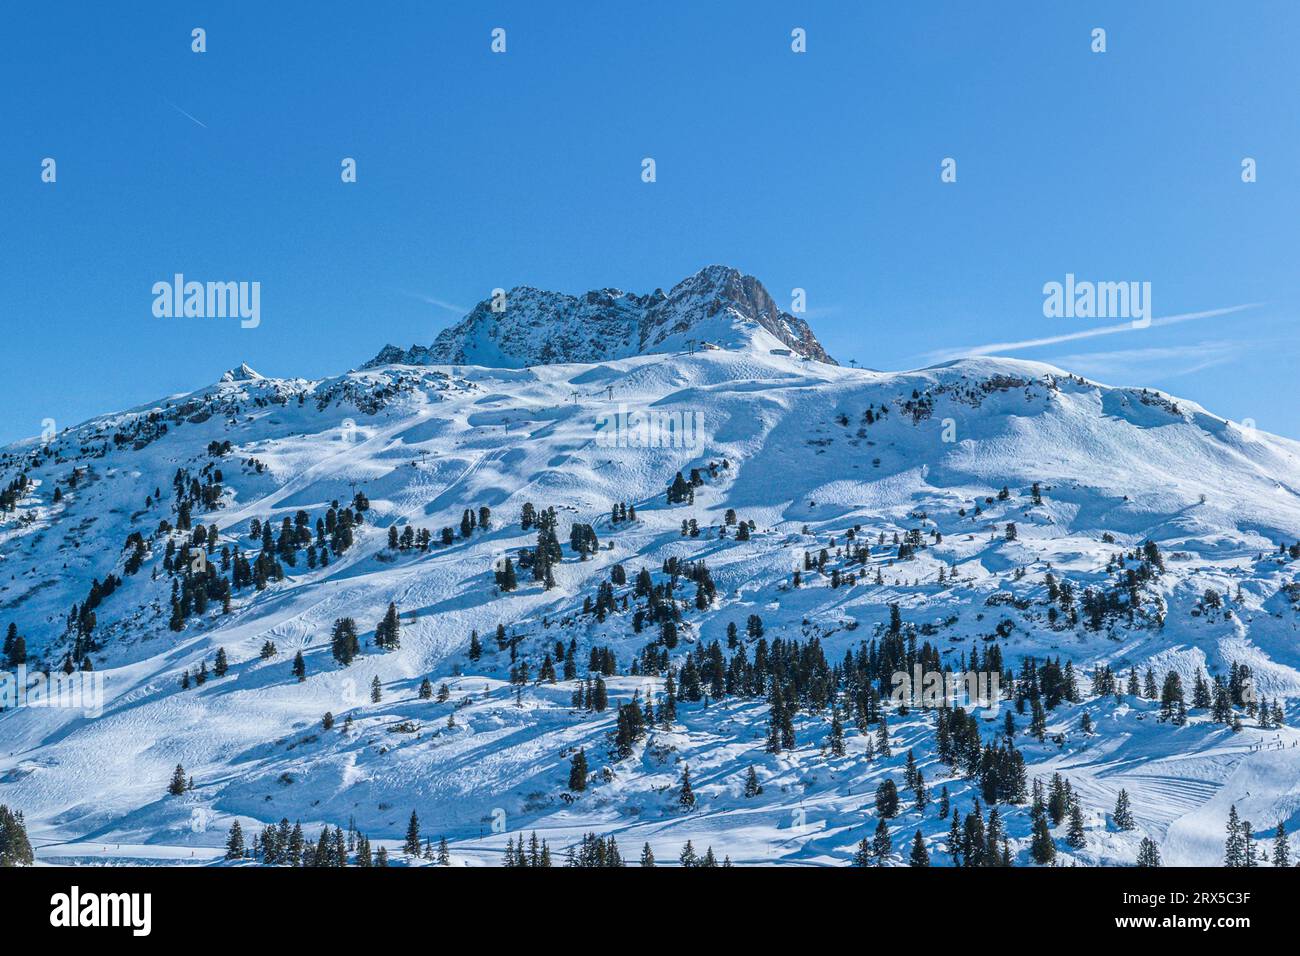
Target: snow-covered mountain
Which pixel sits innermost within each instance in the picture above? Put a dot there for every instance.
(718, 307)
(999, 506)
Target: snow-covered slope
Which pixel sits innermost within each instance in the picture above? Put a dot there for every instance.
(718, 306)
(804, 450)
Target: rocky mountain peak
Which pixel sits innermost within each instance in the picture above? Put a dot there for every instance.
(718, 305)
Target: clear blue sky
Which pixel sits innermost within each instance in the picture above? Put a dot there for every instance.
(478, 170)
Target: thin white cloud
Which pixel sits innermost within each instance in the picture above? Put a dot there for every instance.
(997, 348)
(1151, 364)
(449, 306)
(185, 114)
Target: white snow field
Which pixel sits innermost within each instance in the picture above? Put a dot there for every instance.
(1115, 467)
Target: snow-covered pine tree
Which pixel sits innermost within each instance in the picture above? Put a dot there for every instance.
(235, 842)
(686, 797)
(1148, 853)
(1123, 815)
(15, 847)
(412, 845)
(1075, 835)
(177, 785)
(1234, 847)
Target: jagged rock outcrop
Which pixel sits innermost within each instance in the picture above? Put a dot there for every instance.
(717, 306)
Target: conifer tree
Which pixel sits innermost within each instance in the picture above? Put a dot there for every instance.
(955, 839)
(412, 846)
(882, 738)
(15, 847)
(1234, 847)
(235, 842)
(752, 787)
(296, 845)
(1041, 847)
(343, 641)
(996, 834)
(387, 633)
(507, 579)
(974, 839)
(920, 856)
(11, 635)
(578, 771)
(686, 799)
(1075, 835)
(688, 856)
(775, 723)
(177, 785)
(1148, 853)
(1201, 691)
(863, 855)
(1037, 719)
(1281, 849)
(1123, 814)
(887, 799)
(1058, 802)
(881, 843)
(647, 856)
(836, 739)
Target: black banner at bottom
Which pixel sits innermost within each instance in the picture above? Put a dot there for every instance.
(144, 904)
